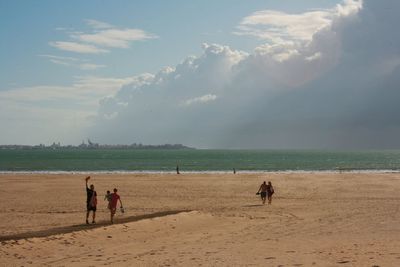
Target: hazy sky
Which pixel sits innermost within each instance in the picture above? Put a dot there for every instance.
(210, 74)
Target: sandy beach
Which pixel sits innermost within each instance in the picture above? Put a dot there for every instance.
(316, 219)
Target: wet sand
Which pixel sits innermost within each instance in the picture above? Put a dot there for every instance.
(316, 219)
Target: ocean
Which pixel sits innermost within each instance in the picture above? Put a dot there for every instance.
(199, 160)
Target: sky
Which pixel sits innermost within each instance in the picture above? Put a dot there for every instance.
(209, 74)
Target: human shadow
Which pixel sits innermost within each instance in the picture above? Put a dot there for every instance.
(83, 227)
(254, 205)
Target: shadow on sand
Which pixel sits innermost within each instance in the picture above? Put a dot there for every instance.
(254, 205)
(82, 227)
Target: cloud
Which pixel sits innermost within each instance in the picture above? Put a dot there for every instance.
(200, 100)
(73, 62)
(102, 35)
(315, 56)
(98, 24)
(61, 58)
(116, 38)
(339, 89)
(90, 66)
(277, 27)
(349, 7)
(84, 89)
(77, 47)
(55, 113)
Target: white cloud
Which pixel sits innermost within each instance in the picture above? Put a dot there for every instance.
(86, 89)
(71, 59)
(200, 100)
(60, 62)
(57, 113)
(349, 7)
(77, 47)
(278, 52)
(315, 56)
(101, 35)
(96, 24)
(277, 27)
(117, 38)
(73, 62)
(90, 66)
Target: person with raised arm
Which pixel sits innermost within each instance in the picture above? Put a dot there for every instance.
(91, 201)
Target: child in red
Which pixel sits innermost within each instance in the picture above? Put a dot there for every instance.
(113, 203)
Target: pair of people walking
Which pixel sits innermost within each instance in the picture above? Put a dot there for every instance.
(266, 190)
(113, 199)
(91, 202)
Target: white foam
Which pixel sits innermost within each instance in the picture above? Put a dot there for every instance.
(125, 172)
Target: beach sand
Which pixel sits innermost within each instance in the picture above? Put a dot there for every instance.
(316, 219)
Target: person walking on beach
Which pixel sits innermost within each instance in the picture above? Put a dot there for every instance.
(108, 198)
(113, 204)
(91, 201)
(263, 191)
(270, 192)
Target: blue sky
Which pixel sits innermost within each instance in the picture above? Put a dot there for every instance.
(181, 27)
(210, 74)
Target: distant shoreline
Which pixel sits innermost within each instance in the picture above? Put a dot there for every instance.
(92, 146)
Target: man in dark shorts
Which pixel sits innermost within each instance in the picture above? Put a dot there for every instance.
(91, 201)
(263, 191)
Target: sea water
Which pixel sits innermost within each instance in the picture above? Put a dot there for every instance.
(194, 160)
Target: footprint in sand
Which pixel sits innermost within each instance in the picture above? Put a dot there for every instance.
(270, 258)
(342, 262)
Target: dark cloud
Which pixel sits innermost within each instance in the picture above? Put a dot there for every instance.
(340, 91)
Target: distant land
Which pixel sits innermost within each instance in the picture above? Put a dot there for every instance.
(92, 145)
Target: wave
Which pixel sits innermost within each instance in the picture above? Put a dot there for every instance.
(124, 172)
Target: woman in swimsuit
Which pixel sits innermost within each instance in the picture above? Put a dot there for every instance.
(270, 192)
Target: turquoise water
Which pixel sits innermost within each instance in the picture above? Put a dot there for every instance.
(195, 160)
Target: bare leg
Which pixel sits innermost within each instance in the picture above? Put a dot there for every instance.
(87, 217)
(94, 217)
(269, 199)
(112, 215)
